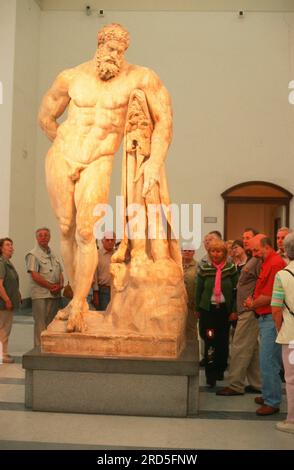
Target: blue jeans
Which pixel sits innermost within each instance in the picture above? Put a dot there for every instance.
(270, 362)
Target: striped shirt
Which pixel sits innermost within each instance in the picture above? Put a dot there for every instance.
(278, 295)
(283, 291)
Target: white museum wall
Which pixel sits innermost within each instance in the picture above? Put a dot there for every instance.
(7, 43)
(24, 128)
(228, 78)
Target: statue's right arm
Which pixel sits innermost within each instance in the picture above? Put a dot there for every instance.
(54, 103)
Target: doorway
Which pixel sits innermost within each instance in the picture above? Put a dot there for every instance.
(257, 204)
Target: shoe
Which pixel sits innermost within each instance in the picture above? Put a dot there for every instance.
(266, 410)
(211, 383)
(250, 389)
(285, 426)
(220, 376)
(202, 363)
(7, 359)
(259, 400)
(228, 392)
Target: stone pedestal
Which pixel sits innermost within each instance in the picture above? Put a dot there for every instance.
(102, 338)
(138, 387)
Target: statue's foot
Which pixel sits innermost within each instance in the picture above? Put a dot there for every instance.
(118, 257)
(76, 321)
(63, 314)
(119, 272)
(120, 254)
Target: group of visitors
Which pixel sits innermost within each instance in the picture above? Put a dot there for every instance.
(246, 285)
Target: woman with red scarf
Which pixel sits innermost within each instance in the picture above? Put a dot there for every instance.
(215, 301)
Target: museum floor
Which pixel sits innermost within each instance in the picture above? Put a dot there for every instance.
(223, 422)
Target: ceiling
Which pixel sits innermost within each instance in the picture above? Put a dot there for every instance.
(169, 5)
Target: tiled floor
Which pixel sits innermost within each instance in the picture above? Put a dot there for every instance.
(223, 422)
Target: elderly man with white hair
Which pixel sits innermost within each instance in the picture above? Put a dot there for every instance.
(283, 313)
(46, 280)
(281, 235)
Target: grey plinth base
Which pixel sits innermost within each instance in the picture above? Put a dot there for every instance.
(138, 387)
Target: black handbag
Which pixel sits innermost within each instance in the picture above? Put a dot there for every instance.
(68, 292)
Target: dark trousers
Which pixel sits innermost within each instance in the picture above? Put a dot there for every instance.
(104, 297)
(214, 330)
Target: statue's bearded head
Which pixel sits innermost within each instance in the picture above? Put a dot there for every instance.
(113, 40)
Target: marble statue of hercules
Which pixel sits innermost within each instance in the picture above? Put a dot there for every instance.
(79, 162)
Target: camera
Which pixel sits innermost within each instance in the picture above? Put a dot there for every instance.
(241, 14)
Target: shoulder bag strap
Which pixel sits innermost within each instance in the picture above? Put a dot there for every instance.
(292, 274)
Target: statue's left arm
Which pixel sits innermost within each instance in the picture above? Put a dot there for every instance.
(160, 108)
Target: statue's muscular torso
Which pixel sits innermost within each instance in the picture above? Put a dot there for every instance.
(97, 111)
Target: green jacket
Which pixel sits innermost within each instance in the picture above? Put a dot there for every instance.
(205, 286)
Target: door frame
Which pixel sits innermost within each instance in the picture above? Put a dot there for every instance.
(229, 198)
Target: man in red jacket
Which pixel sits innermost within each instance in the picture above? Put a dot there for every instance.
(270, 351)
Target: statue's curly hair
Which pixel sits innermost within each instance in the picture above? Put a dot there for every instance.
(114, 31)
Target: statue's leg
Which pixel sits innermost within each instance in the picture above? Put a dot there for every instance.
(91, 189)
(61, 194)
